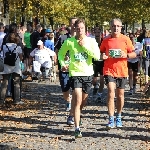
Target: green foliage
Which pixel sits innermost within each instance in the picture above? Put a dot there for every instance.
(94, 11)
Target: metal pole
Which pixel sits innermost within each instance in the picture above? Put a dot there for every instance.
(15, 18)
(143, 23)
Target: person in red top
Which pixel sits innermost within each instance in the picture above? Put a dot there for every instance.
(115, 49)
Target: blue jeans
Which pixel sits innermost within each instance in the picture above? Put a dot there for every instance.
(9, 85)
(16, 78)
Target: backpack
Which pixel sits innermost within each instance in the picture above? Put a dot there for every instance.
(10, 57)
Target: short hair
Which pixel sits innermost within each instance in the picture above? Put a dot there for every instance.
(38, 26)
(80, 20)
(13, 28)
(97, 28)
(72, 18)
(68, 29)
(43, 32)
(115, 19)
(29, 28)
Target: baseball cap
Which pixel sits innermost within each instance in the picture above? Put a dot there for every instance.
(39, 42)
(48, 30)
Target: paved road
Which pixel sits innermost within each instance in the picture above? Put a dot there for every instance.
(40, 124)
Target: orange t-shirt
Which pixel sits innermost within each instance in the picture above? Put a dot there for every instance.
(116, 67)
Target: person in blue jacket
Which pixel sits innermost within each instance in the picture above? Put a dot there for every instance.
(48, 42)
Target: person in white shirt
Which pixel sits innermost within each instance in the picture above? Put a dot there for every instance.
(133, 65)
(2, 34)
(42, 58)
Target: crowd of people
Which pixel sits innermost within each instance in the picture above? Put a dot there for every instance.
(23, 51)
(115, 57)
(82, 58)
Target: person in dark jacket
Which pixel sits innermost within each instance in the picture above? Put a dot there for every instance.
(35, 36)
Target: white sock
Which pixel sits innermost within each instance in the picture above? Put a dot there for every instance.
(77, 128)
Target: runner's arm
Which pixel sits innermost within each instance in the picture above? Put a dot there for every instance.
(103, 51)
(131, 55)
(92, 51)
(62, 53)
(130, 49)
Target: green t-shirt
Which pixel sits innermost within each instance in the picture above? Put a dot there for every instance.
(27, 39)
(80, 56)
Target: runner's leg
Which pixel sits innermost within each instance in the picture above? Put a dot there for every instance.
(111, 84)
(120, 84)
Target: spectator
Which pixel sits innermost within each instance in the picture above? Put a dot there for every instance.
(35, 36)
(27, 47)
(14, 71)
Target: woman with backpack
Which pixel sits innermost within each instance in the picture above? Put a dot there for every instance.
(12, 55)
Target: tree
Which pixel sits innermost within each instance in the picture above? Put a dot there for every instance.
(59, 10)
(94, 11)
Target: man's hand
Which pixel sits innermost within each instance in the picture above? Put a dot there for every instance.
(64, 68)
(81, 42)
(104, 56)
(123, 54)
(67, 58)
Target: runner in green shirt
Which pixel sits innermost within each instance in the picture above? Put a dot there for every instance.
(81, 49)
(27, 48)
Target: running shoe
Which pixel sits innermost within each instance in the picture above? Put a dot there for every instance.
(78, 133)
(110, 123)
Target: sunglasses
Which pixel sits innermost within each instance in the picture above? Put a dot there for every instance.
(114, 26)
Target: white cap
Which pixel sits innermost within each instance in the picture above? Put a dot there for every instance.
(39, 42)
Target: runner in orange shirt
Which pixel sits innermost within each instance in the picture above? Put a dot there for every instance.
(115, 50)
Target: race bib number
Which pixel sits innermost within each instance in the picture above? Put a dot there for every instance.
(81, 56)
(115, 53)
(39, 57)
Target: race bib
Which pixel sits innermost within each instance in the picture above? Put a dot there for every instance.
(40, 57)
(115, 53)
(81, 56)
